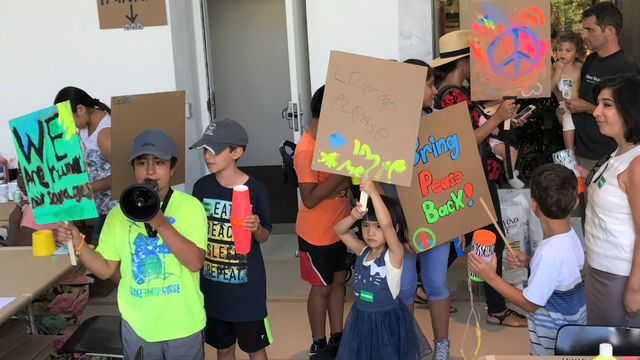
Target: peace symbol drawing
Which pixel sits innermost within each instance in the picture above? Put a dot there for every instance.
(423, 239)
(525, 55)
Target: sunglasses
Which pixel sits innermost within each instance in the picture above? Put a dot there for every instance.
(589, 179)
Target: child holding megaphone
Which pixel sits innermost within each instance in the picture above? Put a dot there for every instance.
(159, 260)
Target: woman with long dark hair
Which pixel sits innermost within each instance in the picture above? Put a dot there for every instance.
(93, 121)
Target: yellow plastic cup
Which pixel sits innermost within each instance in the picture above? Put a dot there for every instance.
(43, 244)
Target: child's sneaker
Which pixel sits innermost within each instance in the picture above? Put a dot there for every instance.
(441, 349)
(334, 343)
(317, 347)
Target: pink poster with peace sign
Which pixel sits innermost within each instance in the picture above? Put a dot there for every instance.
(510, 48)
(447, 181)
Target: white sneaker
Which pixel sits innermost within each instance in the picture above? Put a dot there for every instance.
(515, 183)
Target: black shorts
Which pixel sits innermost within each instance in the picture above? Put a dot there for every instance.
(250, 335)
(319, 263)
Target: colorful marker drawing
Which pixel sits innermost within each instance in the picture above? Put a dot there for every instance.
(448, 177)
(510, 47)
(52, 165)
(370, 108)
(376, 168)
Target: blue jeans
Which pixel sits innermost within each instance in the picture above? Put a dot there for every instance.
(433, 270)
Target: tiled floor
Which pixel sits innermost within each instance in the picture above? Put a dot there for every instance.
(288, 317)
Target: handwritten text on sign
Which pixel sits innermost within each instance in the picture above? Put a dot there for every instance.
(51, 162)
(369, 110)
(448, 178)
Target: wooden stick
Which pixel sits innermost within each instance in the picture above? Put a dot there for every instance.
(364, 197)
(72, 254)
(506, 243)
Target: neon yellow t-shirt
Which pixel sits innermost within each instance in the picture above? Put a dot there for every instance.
(158, 296)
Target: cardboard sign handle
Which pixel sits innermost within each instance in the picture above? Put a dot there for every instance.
(506, 243)
(363, 200)
(72, 254)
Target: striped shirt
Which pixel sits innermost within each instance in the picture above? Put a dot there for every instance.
(555, 284)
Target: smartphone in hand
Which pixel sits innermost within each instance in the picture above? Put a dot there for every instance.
(525, 112)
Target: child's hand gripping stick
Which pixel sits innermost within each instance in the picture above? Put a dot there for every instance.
(363, 195)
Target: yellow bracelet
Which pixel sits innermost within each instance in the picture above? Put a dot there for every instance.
(81, 245)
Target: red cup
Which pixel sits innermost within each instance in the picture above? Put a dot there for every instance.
(240, 210)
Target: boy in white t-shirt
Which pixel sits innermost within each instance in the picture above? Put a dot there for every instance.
(555, 294)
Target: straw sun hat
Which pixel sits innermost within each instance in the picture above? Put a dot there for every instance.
(453, 46)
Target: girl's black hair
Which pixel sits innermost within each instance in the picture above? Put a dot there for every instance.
(397, 216)
(625, 90)
(79, 97)
(430, 73)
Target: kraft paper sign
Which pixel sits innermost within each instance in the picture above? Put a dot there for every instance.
(115, 14)
(133, 113)
(370, 108)
(447, 181)
(51, 162)
(510, 47)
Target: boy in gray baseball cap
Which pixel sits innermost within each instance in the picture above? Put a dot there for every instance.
(234, 285)
(159, 261)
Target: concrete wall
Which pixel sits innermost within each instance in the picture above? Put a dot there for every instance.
(46, 45)
(387, 29)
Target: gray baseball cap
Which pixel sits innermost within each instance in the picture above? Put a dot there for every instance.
(153, 142)
(220, 134)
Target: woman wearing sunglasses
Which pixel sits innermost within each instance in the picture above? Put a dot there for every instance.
(612, 226)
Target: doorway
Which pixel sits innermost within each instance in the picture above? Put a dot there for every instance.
(250, 77)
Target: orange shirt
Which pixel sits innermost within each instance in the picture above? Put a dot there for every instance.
(315, 225)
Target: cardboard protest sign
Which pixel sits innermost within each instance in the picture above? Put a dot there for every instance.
(369, 110)
(51, 162)
(115, 14)
(133, 113)
(510, 47)
(447, 181)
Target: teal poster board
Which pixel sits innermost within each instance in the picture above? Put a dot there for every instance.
(51, 162)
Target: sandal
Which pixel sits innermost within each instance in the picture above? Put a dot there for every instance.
(418, 299)
(513, 319)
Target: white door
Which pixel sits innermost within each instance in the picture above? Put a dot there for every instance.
(258, 75)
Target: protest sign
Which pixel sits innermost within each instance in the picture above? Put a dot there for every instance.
(133, 113)
(447, 181)
(370, 108)
(510, 47)
(52, 165)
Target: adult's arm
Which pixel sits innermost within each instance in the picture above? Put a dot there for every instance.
(578, 105)
(505, 111)
(313, 193)
(631, 183)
